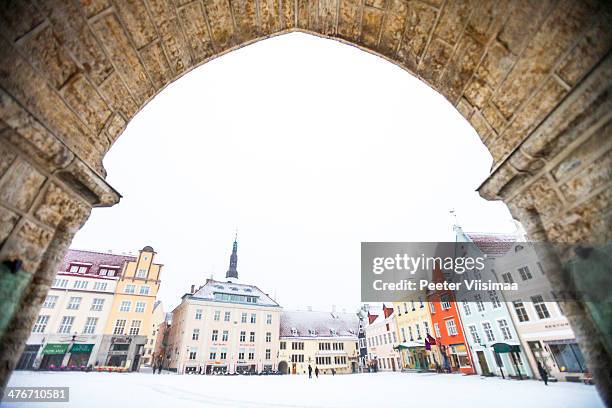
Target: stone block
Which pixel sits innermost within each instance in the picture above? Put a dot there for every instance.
(221, 24)
(453, 18)
(85, 100)
(349, 19)
(115, 91)
(27, 244)
(393, 29)
(136, 19)
(93, 7)
(20, 185)
(245, 16)
(421, 19)
(594, 176)
(436, 57)
(157, 66)
(8, 219)
(192, 19)
(171, 35)
(269, 15)
(371, 25)
(328, 16)
(461, 67)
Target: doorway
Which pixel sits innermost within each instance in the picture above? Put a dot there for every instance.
(482, 360)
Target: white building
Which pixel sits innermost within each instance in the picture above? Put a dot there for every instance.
(224, 327)
(157, 318)
(382, 341)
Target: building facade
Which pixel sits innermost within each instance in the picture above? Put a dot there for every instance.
(224, 327)
(413, 325)
(157, 319)
(382, 340)
(324, 340)
(129, 323)
(70, 326)
(544, 331)
(490, 331)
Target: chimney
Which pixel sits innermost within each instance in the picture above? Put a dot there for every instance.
(192, 289)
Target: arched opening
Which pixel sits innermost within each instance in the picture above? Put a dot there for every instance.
(72, 78)
(283, 367)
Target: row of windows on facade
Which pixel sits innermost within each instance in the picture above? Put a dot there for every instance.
(385, 338)
(537, 300)
(212, 355)
(230, 297)
(195, 335)
(508, 277)
(100, 286)
(227, 316)
(65, 326)
(327, 360)
(74, 268)
(313, 332)
(120, 325)
(417, 332)
(74, 303)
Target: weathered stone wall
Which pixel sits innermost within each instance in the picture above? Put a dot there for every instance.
(531, 76)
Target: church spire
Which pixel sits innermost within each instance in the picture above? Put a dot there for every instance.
(232, 272)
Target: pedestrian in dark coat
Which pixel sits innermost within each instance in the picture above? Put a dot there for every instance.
(317, 372)
(309, 371)
(543, 373)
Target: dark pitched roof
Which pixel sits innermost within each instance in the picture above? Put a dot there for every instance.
(95, 259)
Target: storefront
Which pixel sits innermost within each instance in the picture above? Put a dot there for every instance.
(216, 369)
(53, 355)
(26, 361)
(459, 358)
(80, 354)
(567, 356)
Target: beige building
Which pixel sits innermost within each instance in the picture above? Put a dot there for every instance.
(69, 328)
(157, 318)
(323, 340)
(224, 327)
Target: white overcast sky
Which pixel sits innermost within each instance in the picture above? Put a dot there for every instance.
(308, 147)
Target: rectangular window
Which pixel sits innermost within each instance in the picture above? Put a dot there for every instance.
(223, 354)
(241, 354)
(135, 328)
(252, 337)
(193, 354)
(60, 283)
(445, 302)
(227, 317)
(41, 324)
(268, 319)
(125, 306)
(243, 317)
(466, 308)
(217, 316)
(451, 328)
(97, 304)
(74, 303)
(119, 326)
(253, 317)
(225, 335)
(525, 273)
(129, 289)
(198, 314)
(494, 299)
(426, 327)
(268, 337)
(196, 334)
(252, 355)
(479, 305)
(90, 325)
(283, 345)
(101, 286)
(50, 302)
(140, 307)
(437, 330)
(268, 354)
(568, 356)
(540, 307)
(432, 307)
(78, 268)
(80, 284)
(474, 333)
(418, 331)
(242, 336)
(486, 326)
(520, 310)
(66, 325)
(144, 290)
(504, 329)
(213, 354)
(403, 330)
(215, 335)
(141, 273)
(507, 277)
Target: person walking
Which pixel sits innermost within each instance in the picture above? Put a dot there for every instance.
(309, 371)
(543, 373)
(317, 372)
(333, 372)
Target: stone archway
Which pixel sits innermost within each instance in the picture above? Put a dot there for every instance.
(532, 77)
(283, 367)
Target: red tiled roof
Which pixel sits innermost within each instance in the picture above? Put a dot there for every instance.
(95, 259)
(387, 310)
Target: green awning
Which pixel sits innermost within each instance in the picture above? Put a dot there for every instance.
(506, 348)
(81, 348)
(55, 348)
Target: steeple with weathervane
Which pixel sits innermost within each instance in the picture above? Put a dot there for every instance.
(232, 272)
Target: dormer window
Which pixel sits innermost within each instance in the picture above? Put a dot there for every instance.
(294, 331)
(107, 272)
(332, 332)
(78, 268)
(312, 332)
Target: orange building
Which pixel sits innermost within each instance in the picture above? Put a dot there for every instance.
(451, 349)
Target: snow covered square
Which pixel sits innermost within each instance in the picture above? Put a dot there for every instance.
(355, 390)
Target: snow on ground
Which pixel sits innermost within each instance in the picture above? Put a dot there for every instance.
(356, 390)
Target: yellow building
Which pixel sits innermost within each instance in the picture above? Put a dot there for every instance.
(323, 340)
(413, 323)
(130, 319)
